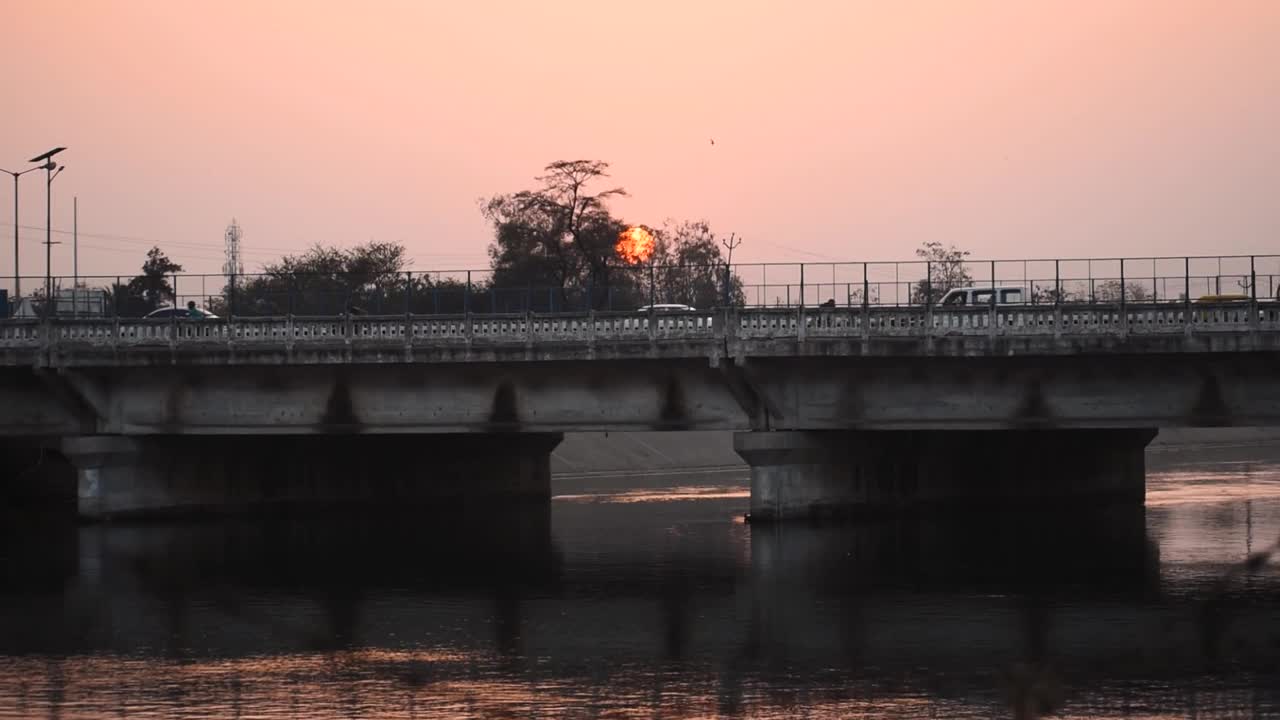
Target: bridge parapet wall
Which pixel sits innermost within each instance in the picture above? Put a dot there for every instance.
(1032, 329)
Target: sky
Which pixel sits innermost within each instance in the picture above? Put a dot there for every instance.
(852, 130)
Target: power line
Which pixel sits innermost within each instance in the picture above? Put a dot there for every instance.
(265, 251)
(798, 251)
(262, 254)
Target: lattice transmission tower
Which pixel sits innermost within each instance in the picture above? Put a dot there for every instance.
(233, 265)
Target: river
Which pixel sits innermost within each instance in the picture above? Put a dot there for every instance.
(660, 602)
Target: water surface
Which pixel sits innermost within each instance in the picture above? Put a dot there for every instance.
(660, 601)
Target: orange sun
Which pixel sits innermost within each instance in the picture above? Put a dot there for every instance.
(635, 245)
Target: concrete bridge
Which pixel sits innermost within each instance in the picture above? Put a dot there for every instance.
(839, 410)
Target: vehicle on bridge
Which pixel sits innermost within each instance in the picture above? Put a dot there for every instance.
(168, 313)
(667, 308)
(1009, 295)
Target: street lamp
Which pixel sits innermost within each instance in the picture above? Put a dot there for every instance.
(51, 171)
(17, 274)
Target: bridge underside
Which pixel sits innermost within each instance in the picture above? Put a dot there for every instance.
(828, 435)
(837, 474)
(120, 477)
(797, 393)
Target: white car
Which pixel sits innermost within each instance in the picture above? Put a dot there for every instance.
(981, 296)
(166, 313)
(667, 308)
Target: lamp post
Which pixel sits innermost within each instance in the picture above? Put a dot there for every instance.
(51, 171)
(17, 274)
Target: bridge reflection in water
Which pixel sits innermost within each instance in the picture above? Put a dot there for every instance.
(666, 608)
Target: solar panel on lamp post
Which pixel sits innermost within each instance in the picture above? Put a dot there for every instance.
(51, 171)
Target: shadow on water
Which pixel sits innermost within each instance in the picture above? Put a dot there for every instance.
(616, 605)
(166, 582)
(1104, 551)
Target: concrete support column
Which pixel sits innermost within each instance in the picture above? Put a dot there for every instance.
(819, 474)
(156, 475)
(106, 469)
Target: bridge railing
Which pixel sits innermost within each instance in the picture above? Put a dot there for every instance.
(624, 289)
(69, 335)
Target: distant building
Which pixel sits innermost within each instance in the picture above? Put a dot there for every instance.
(77, 302)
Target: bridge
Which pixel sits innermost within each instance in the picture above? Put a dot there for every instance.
(837, 409)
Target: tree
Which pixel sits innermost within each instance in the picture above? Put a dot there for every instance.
(689, 266)
(327, 281)
(1109, 292)
(1043, 295)
(560, 235)
(873, 295)
(147, 291)
(946, 271)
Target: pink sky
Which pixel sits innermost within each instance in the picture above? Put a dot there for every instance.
(844, 130)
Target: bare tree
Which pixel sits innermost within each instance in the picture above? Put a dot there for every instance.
(946, 271)
(560, 234)
(1109, 291)
(1042, 295)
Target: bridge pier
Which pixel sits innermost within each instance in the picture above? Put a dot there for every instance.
(832, 474)
(165, 475)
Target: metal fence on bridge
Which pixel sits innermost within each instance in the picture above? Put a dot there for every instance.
(1098, 281)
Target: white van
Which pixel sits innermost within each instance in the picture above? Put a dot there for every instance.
(958, 297)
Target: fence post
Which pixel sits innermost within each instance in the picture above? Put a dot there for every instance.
(173, 316)
(801, 286)
(928, 283)
(466, 296)
(1186, 281)
(1253, 280)
(1122, 287)
(1057, 282)
(866, 289)
(408, 293)
(1124, 314)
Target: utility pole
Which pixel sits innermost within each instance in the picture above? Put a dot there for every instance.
(731, 243)
(51, 171)
(75, 242)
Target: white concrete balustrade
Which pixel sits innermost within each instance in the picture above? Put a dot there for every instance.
(67, 335)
